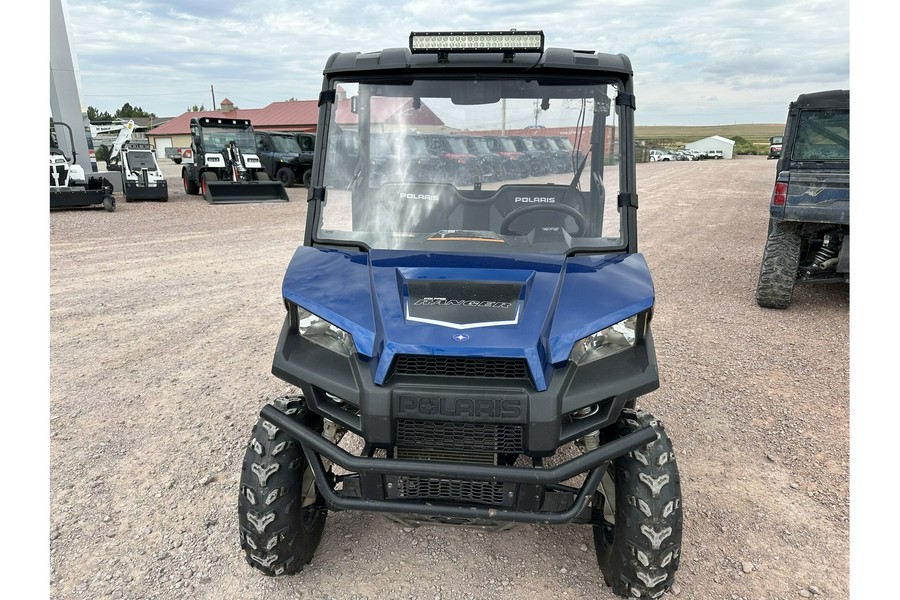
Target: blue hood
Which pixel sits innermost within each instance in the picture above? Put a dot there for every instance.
(543, 303)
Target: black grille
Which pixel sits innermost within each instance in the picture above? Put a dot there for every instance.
(58, 175)
(477, 492)
(458, 366)
(480, 437)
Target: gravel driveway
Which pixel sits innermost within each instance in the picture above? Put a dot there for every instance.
(163, 321)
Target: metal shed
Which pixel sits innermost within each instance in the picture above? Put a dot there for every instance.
(715, 142)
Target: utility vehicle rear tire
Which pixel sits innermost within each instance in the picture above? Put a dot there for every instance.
(109, 203)
(286, 177)
(307, 177)
(190, 187)
(778, 271)
(278, 534)
(177, 161)
(639, 543)
(207, 177)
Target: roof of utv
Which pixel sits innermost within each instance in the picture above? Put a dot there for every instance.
(828, 99)
(552, 59)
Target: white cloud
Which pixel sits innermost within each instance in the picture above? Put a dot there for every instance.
(728, 61)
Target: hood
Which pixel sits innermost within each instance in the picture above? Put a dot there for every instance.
(516, 306)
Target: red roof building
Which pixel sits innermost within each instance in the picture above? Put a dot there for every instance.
(296, 115)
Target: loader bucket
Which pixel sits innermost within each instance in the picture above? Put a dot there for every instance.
(228, 192)
(143, 190)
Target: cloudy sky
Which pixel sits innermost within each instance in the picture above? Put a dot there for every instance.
(696, 63)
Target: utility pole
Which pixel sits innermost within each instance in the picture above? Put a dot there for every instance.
(213, 92)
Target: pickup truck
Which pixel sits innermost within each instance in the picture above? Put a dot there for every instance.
(174, 154)
(809, 212)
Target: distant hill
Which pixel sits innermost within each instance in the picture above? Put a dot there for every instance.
(676, 136)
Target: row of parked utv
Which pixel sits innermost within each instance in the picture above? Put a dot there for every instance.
(463, 159)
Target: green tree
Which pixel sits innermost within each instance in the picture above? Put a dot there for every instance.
(195, 108)
(130, 112)
(95, 115)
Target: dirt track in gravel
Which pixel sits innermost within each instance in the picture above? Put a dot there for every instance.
(163, 322)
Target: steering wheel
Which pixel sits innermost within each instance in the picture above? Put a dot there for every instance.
(505, 228)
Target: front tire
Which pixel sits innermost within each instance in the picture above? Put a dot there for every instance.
(281, 515)
(286, 177)
(207, 177)
(778, 271)
(190, 186)
(639, 503)
(109, 203)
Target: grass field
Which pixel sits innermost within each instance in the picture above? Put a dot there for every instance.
(757, 134)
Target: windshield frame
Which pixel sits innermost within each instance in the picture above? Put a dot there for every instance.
(620, 113)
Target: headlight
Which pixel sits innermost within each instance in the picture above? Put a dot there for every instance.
(605, 342)
(322, 333)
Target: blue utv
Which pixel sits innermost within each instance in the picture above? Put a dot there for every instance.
(469, 354)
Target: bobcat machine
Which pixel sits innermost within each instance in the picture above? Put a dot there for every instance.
(469, 353)
(68, 186)
(222, 164)
(142, 179)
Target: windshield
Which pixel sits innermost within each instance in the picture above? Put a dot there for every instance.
(216, 139)
(822, 135)
(477, 146)
(286, 143)
(451, 165)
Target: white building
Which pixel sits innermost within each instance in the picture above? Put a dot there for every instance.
(715, 142)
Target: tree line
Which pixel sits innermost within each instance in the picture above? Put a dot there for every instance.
(126, 112)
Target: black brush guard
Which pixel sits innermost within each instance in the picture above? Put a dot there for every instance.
(531, 483)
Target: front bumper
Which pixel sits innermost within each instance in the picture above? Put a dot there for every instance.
(534, 495)
(342, 389)
(435, 431)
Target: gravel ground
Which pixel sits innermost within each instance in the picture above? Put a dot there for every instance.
(163, 321)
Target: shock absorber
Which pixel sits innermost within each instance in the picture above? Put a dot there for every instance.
(826, 252)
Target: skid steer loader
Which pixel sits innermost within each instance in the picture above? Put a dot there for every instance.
(222, 164)
(69, 187)
(142, 179)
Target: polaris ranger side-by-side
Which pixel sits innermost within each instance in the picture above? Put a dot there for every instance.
(809, 212)
(282, 157)
(469, 352)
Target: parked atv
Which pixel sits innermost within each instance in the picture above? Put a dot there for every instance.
(469, 354)
(809, 214)
(281, 157)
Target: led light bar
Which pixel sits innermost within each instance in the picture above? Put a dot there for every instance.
(476, 41)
